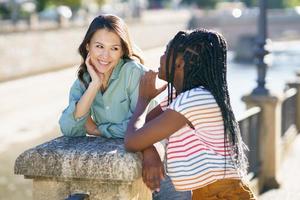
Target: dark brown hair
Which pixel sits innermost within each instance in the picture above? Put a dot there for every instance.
(111, 23)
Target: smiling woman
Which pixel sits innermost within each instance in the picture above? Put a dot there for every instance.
(103, 97)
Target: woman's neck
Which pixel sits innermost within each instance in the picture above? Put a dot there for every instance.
(105, 81)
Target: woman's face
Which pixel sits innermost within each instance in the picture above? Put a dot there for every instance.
(105, 50)
(162, 68)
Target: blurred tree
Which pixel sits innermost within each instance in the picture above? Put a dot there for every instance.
(100, 2)
(273, 3)
(283, 3)
(276, 4)
(157, 3)
(202, 3)
(292, 3)
(4, 11)
(42, 4)
(250, 3)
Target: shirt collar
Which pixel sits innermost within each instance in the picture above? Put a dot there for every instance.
(117, 69)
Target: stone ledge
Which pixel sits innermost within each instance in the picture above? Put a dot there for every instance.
(80, 157)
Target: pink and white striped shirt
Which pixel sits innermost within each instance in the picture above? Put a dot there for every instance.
(196, 158)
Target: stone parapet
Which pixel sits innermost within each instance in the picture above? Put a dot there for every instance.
(95, 166)
(269, 138)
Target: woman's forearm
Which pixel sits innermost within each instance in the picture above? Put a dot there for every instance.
(84, 104)
(137, 120)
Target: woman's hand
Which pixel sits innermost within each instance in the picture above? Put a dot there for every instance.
(153, 169)
(97, 78)
(147, 89)
(91, 127)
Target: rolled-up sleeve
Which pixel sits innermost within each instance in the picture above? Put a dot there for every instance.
(68, 124)
(113, 130)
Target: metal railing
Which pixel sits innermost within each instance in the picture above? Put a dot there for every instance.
(250, 129)
(288, 110)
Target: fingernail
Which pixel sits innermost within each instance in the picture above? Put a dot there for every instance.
(157, 190)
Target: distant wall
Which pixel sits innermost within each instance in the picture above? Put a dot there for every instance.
(280, 24)
(27, 53)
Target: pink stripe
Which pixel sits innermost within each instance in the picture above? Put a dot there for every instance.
(182, 151)
(182, 145)
(207, 138)
(186, 155)
(175, 141)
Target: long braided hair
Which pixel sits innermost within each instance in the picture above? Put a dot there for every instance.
(205, 57)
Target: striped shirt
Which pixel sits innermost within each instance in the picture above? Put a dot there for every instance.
(196, 158)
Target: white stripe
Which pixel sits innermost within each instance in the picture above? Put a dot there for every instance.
(207, 120)
(196, 115)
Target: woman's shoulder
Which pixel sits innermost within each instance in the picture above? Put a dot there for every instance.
(195, 92)
(198, 94)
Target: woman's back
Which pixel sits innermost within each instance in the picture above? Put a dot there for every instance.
(197, 157)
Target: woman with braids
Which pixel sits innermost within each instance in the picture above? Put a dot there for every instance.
(104, 96)
(204, 148)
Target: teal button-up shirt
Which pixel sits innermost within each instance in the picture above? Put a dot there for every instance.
(111, 110)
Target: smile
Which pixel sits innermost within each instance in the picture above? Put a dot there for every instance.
(103, 62)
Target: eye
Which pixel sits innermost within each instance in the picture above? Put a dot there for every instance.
(115, 48)
(100, 46)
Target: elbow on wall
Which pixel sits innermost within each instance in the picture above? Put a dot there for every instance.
(129, 145)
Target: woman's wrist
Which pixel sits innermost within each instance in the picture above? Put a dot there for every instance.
(96, 132)
(95, 84)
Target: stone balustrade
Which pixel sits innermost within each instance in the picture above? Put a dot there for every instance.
(96, 166)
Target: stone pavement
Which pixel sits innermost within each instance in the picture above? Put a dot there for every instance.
(289, 176)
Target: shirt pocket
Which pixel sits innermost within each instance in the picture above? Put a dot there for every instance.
(124, 105)
(119, 109)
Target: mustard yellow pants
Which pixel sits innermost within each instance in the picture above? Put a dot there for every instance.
(226, 189)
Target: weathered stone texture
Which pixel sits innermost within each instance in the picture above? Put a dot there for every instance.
(80, 157)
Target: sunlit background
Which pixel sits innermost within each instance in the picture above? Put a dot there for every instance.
(39, 59)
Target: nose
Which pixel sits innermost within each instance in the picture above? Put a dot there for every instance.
(104, 53)
(162, 58)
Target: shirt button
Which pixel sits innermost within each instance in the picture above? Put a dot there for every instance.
(107, 107)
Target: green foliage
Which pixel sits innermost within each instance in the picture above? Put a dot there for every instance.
(100, 2)
(42, 4)
(273, 3)
(202, 3)
(292, 3)
(157, 3)
(283, 3)
(276, 4)
(250, 3)
(4, 12)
